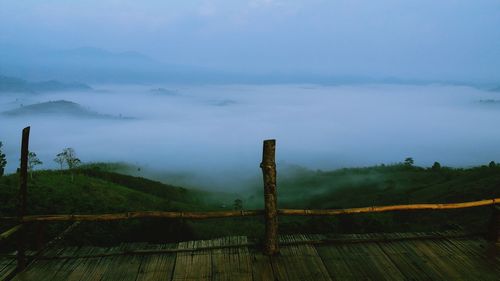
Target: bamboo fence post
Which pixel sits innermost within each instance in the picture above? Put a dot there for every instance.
(268, 166)
(23, 194)
(494, 227)
(40, 235)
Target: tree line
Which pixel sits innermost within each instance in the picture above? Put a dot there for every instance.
(66, 158)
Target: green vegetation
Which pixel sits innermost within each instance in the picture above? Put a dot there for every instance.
(3, 160)
(97, 188)
(385, 185)
(33, 161)
(93, 192)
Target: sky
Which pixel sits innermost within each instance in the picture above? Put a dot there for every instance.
(455, 40)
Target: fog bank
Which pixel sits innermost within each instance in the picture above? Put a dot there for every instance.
(214, 134)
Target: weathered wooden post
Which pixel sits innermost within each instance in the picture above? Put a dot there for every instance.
(494, 227)
(23, 194)
(268, 166)
(40, 235)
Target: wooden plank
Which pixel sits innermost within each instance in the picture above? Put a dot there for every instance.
(231, 263)
(7, 266)
(123, 268)
(477, 246)
(261, 267)
(335, 263)
(94, 270)
(376, 262)
(56, 265)
(449, 260)
(298, 262)
(5, 262)
(434, 259)
(69, 265)
(195, 265)
(410, 261)
(354, 260)
(471, 267)
(40, 269)
(158, 267)
(86, 269)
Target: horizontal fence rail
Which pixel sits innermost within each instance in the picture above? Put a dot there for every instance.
(250, 213)
(10, 232)
(138, 215)
(379, 209)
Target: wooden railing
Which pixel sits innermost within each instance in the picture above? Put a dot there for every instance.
(270, 212)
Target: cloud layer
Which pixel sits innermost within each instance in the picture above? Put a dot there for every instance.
(217, 131)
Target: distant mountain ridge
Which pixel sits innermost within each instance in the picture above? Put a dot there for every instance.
(58, 108)
(98, 65)
(16, 85)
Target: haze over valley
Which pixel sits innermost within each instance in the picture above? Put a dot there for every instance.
(210, 136)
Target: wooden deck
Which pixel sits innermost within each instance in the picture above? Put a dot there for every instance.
(415, 256)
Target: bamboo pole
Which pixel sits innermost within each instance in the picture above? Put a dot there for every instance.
(228, 214)
(378, 209)
(40, 235)
(44, 248)
(23, 195)
(10, 232)
(494, 226)
(268, 166)
(139, 215)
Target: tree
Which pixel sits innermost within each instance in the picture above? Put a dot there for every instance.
(436, 166)
(68, 156)
(3, 160)
(492, 164)
(409, 162)
(59, 160)
(32, 162)
(238, 204)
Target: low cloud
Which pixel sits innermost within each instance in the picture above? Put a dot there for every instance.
(197, 131)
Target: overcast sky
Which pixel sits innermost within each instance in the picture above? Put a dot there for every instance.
(445, 39)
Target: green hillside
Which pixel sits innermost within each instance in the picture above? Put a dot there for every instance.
(385, 185)
(92, 191)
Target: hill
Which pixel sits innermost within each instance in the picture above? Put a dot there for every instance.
(57, 108)
(12, 84)
(386, 185)
(302, 188)
(92, 191)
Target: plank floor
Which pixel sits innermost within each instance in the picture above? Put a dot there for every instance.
(412, 256)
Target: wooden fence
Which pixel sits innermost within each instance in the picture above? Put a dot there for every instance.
(270, 212)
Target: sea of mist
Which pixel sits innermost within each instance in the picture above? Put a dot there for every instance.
(210, 136)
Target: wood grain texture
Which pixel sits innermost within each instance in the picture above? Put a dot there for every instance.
(395, 256)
